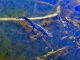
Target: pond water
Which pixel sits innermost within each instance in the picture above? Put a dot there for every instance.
(20, 41)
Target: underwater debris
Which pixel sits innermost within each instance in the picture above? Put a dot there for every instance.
(60, 52)
(75, 22)
(78, 44)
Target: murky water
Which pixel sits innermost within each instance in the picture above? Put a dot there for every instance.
(19, 41)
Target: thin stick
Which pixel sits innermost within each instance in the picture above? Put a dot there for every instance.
(32, 18)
